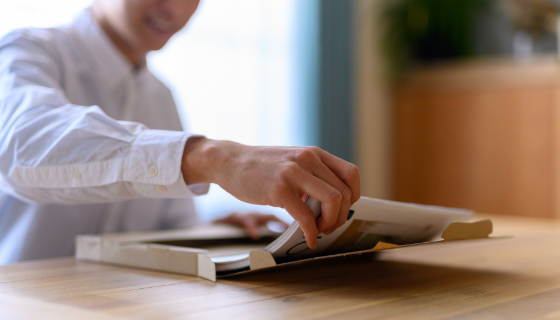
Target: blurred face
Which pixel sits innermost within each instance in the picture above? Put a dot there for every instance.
(144, 25)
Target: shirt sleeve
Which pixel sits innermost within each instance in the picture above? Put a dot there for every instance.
(53, 151)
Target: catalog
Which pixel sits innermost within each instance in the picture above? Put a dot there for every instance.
(369, 221)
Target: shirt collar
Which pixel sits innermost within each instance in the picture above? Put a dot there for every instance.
(109, 62)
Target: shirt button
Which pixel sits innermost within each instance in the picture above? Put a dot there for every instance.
(154, 171)
(161, 189)
(77, 175)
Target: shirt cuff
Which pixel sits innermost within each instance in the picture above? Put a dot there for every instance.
(177, 190)
(154, 166)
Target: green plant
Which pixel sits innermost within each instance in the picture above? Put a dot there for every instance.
(428, 30)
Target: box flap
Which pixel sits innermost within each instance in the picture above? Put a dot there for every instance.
(467, 230)
(205, 267)
(88, 248)
(259, 259)
(384, 246)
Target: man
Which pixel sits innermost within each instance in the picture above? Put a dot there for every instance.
(91, 141)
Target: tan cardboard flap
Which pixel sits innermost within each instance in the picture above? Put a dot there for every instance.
(205, 267)
(177, 260)
(467, 230)
(384, 246)
(88, 248)
(454, 231)
(259, 259)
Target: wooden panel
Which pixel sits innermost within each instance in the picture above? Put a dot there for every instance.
(499, 279)
(372, 110)
(487, 148)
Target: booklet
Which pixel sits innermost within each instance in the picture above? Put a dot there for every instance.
(369, 221)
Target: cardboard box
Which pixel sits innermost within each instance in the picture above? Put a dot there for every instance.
(158, 250)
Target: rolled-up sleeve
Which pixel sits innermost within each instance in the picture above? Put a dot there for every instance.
(53, 151)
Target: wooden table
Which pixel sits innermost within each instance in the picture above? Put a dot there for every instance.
(492, 279)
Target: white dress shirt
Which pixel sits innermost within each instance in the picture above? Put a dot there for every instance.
(88, 144)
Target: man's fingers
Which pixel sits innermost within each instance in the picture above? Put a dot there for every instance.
(301, 212)
(347, 172)
(251, 224)
(265, 218)
(232, 219)
(329, 197)
(321, 171)
(341, 220)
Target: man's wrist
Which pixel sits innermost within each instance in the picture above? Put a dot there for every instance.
(204, 159)
(193, 165)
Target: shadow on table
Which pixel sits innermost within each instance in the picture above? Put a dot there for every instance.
(413, 289)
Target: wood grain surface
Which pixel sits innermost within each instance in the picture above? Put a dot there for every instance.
(482, 135)
(515, 278)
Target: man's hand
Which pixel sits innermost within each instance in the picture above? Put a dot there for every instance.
(251, 222)
(279, 177)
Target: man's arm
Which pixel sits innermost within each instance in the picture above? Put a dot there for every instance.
(279, 177)
(53, 151)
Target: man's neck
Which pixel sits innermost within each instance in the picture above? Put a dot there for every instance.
(135, 56)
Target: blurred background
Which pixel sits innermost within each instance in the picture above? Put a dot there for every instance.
(438, 102)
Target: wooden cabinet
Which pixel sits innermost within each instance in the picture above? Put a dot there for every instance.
(483, 135)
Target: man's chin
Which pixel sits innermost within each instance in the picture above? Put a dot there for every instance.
(156, 45)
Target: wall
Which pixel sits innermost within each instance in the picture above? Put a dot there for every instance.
(372, 116)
